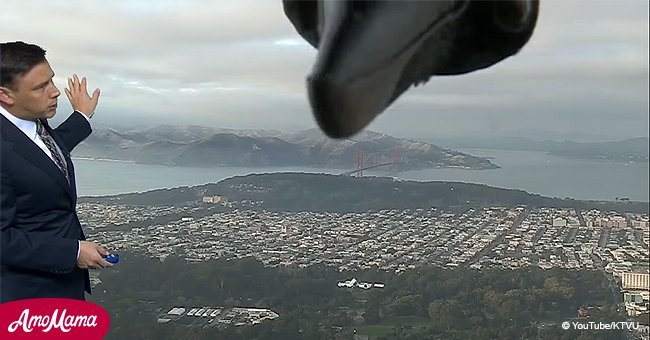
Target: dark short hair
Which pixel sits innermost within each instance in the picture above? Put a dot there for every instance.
(16, 59)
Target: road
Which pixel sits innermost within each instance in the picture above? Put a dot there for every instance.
(497, 240)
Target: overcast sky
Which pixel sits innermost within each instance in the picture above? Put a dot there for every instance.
(240, 64)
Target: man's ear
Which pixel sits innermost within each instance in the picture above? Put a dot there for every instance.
(6, 96)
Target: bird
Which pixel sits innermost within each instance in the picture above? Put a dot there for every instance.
(371, 52)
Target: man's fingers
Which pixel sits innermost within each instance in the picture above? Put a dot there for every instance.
(79, 97)
(98, 264)
(105, 264)
(93, 101)
(95, 98)
(102, 251)
(91, 255)
(101, 264)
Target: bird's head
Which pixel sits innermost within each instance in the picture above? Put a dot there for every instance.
(370, 52)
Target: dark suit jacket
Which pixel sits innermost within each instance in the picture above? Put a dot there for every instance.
(39, 223)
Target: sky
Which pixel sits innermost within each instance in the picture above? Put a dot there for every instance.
(240, 64)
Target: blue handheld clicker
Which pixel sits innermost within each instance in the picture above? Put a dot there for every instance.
(112, 258)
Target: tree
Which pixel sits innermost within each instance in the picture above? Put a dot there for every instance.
(446, 313)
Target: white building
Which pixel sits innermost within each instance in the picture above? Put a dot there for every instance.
(176, 311)
(640, 281)
(559, 222)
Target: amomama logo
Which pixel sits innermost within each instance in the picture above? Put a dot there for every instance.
(52, 318)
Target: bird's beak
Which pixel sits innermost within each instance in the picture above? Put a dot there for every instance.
(363, 50)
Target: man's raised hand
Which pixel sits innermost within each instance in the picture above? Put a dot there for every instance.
(77, 93)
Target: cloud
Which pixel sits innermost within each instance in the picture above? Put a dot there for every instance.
(241, 64)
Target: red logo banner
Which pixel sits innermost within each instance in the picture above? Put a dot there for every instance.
(53, 318)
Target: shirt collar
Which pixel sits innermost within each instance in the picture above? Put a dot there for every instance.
(28, 127)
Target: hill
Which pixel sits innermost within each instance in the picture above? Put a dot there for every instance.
(337, 193)
(206, 147)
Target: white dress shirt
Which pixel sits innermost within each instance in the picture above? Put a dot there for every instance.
(28, 127)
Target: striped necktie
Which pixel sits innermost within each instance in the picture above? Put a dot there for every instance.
(49, 142)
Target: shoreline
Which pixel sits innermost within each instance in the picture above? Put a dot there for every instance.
(101, 159)
(525, 171)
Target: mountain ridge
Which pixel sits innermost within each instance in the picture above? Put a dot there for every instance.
(192, 145)
(631, 149)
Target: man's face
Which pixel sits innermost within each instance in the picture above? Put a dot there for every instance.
(34, 95)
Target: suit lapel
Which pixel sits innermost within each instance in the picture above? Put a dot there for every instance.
(32, 153)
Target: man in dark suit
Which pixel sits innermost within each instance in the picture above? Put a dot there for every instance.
(43, 252)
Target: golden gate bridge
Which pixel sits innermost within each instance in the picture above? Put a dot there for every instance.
(377, 159)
